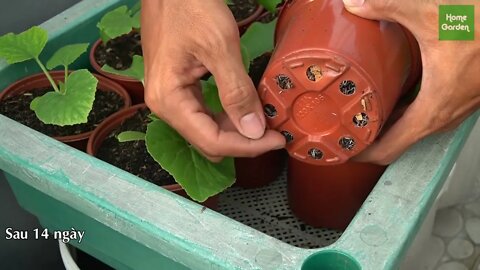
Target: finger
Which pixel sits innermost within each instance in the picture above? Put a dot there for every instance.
(396, 140)
(197, 126)
(397, 11)
(216, 142)
(237, 92)
(376, 9)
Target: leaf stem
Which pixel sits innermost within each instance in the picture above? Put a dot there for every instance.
(50, 79)
(65, 80)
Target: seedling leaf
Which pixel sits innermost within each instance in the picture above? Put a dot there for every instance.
(258, 39)
(16, 48)
(136, 8)
(66, 55)
(135, 71)
(115, 23)
(136, 20)
(270, 5)
(199, 177)
(71, 107)
(153, 117)
(129, 136)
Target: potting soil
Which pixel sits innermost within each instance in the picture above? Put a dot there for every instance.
(18, 109)
(133, 156)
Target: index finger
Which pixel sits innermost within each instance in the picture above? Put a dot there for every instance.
(190, 118)
(405, 132)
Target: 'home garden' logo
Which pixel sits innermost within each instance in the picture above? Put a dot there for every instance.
(457, 22)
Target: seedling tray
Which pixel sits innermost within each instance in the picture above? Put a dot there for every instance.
(266, 210)
(132, 224)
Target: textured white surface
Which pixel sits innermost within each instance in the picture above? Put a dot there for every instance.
(460, 248)
(474, 207)
(433, 252)
(453, 266)
(456, 225)
(448, 223)
(472, 226)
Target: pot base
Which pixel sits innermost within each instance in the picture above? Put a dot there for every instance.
(266, 209)
(330, 196)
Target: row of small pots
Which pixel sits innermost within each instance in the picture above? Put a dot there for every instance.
(267, 165)
(322, 196)
(131, 92)
(95, 137)
(38, 81)
(134, 87)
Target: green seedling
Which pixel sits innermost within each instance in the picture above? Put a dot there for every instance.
(135, 71)
(72, 100)
(270, 5)
(129, 136)
(118, 22)
(199, 177)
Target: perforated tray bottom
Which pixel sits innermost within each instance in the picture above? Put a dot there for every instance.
(266, 209)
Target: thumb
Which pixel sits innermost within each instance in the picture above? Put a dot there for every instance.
(376, 9)
(238, 95)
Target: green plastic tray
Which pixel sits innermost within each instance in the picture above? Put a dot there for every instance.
(132, 224)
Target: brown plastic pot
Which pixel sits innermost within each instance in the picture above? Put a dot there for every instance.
(134, 87)
(258, 171)
(39, 80)
(329, 196)
(334, 79)
(114, 121)
(262, 170)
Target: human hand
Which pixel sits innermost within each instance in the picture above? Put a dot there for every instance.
(182, 40)
(450, 89)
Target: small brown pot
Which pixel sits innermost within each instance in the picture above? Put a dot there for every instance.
(329, 196)
(113, 122)
(259, 171)
(39, 80)
(334, 78)
(262, 170)
(134, 87)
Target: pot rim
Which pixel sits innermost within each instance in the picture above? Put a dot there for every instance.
(99, 70)
(13, 89)
(108, 125)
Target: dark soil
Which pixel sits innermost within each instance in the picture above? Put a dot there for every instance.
(284, 82)
(118, 52)
(268, 17)
(257, 68)
(18, 109)
(133, 156)
(242, 9)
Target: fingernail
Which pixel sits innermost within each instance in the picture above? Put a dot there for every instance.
(252, 126)
(354, 3)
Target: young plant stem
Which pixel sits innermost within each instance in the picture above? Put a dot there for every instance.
(65, 80)
(54, 85)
